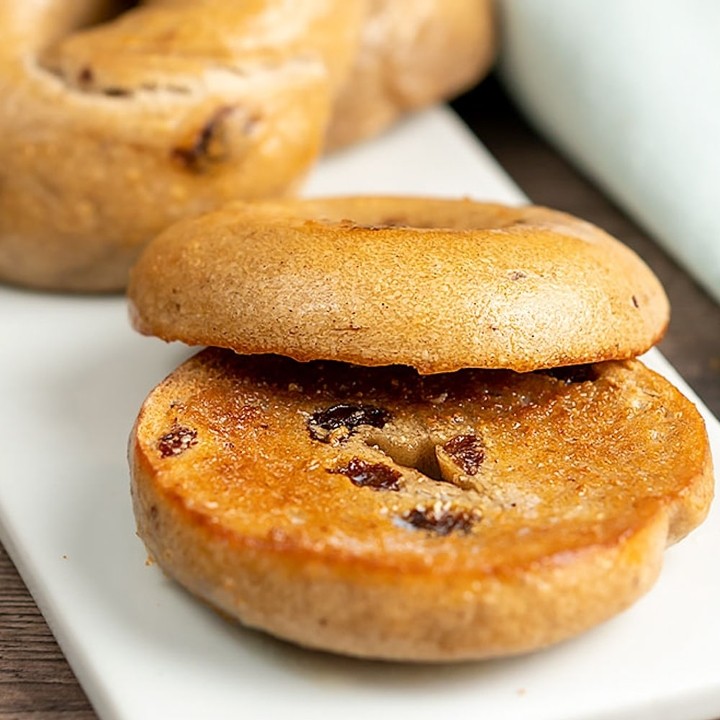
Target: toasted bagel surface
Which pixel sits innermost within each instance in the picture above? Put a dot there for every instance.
(435, 284)
(381, 513)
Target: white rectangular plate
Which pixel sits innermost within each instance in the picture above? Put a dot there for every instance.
(74, 376)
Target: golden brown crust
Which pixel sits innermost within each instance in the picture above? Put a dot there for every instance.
(413, 53)
(113, 132)
(287, 495)
(435, 284)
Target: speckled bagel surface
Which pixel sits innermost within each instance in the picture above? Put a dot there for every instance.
(435, 284)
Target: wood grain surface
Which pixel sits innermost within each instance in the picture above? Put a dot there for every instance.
(35, 680)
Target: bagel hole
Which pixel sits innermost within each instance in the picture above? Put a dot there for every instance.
(78, 19)
(104, 12)
(92, 15)
(414, 451)
(456, 459)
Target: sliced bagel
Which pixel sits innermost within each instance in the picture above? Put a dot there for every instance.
(380, 513)
(434, 284)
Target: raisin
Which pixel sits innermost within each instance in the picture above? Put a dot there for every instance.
(440, 523)
(323, 422)
(467, 452)
(178, 440)
(86, 76)
(373, 475)
(208, 146)
(116, 92)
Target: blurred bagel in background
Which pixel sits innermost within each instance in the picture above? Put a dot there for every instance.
(112, 132)
(411, 55)
(118, 119)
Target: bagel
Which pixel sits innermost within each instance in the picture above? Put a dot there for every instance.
(412, 54)
(467, 463)
(435, 284)
(380, 513)
(116, 126)
(112, 132)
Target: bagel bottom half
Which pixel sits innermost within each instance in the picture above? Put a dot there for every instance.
(380, 513)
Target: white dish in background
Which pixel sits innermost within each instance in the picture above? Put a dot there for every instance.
(74, 376)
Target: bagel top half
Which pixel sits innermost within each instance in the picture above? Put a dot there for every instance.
(434, 284)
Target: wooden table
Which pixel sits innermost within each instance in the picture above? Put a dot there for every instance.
(35, 680)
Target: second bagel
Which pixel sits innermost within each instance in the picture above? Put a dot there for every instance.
(389, 513)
